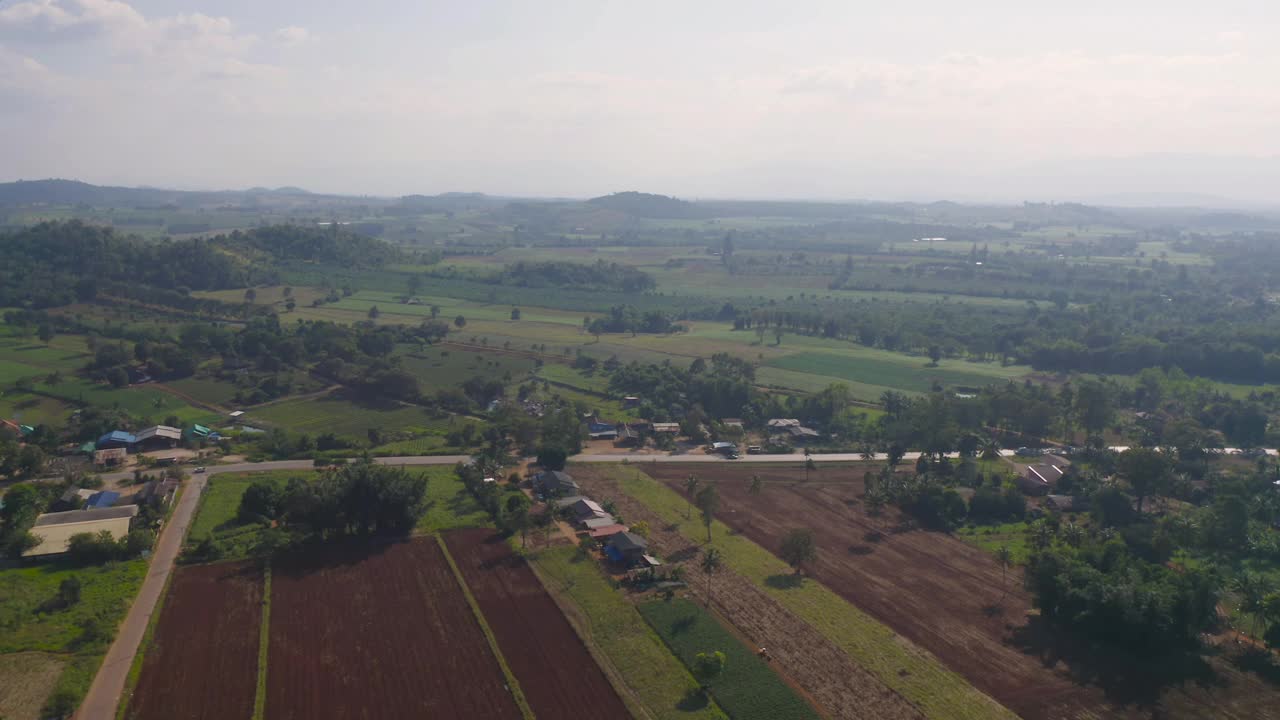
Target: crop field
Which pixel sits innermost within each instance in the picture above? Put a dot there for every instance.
(658, 680)
(439, 368)
(337, 415)
(747, 688)
(378, 632)
(900, 375)
(555, 670)
(949, 598)
(203, 659)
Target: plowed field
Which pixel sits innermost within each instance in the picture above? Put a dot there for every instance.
(203, 661)
(559, 677)
(950, 598)
(385, 632)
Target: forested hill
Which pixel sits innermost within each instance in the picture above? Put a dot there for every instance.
(56, 263)
(648, 205)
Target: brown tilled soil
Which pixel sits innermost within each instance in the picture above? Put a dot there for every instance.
(951, 599)
(359, 631)
(838, 686)
(555, 670)
(203, 661)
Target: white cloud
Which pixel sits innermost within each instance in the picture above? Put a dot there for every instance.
(292, 35)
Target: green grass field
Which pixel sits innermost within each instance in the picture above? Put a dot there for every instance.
(992, 537)
(658, 680)
(440, 368)
(909, 670)
(220, 504)
(747, 688)
(58, 648)
(140, 401)
(334, 414)
(903, 375)
(449, 504)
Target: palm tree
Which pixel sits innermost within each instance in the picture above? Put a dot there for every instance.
(712, 560)
(1073, 534)
(1253, 590)
(1005, 557)
(991, 449)
(757, 485)
(868, 451)
(690, 487)
(708, 503)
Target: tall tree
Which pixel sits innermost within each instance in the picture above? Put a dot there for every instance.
(757, 485)
(708, 504)
(691, 490)
(1004, 556)
(711, 562)
(1146, 470)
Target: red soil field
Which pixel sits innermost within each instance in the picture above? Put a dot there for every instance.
(203, 660)
(362, 631)
(949, 598)
(559, 677)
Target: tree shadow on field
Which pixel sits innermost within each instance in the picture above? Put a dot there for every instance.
(861, 549)
(1126, 679)
(318, 555)
(784, 581)
(683, 625)
(683, 554)
(693, 700)
(1259, 662)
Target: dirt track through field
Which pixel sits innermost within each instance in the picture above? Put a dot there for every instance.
(947, 597)
(840, 687)
(554, 669)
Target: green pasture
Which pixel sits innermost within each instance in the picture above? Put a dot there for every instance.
(438, 368)
(747, 688)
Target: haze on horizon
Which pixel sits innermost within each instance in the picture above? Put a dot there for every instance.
(828, 100)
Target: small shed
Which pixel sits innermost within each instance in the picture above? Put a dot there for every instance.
(196, 432)
(666, 428)
(586, 509)
(603, 533)
(1067, 503)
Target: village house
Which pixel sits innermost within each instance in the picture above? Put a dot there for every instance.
(627, 548)
(55, 530)
(553, 483)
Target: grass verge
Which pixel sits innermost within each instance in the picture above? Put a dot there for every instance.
(632, 651)
(264, 641)
(746, 688)
(516, 693)
(909, 670)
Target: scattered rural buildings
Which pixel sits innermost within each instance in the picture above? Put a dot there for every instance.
(117, 439)
(56, 529)
(102, 499)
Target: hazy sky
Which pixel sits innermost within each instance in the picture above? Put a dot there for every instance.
(925, 99)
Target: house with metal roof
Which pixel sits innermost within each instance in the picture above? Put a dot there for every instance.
(626, 547)
(55, 530)
(102, 499)
(554, 482)
(157, 437)
(117, 439)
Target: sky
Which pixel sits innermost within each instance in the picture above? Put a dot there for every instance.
(915, 100)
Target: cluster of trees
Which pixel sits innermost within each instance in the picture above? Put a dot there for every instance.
(1099, 590)
(358, 498)
(627, 318)
(601, 275)
(59, 263)
(99, 548)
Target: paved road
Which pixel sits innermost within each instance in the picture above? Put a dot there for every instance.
(104, 694)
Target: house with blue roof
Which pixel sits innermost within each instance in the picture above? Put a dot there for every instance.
(103, 499)
(116, 439)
